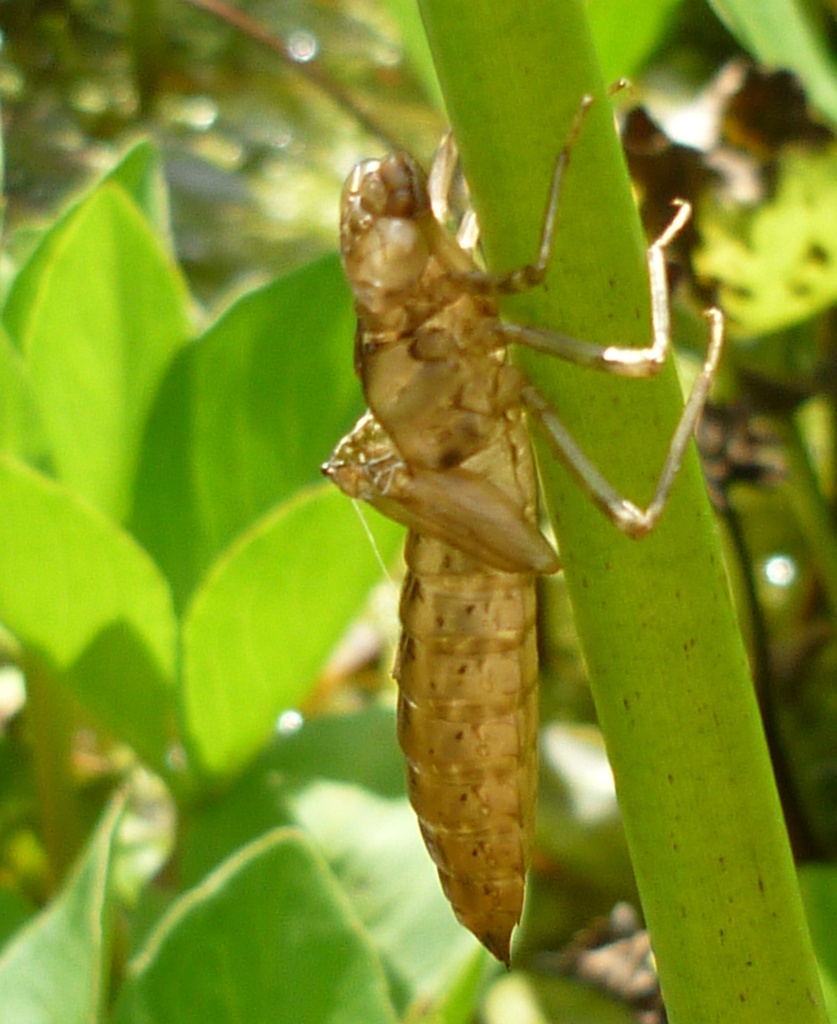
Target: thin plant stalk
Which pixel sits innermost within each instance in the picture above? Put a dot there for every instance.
(667, 664)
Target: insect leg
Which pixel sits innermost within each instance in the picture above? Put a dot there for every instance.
(619, 360)
(627, 516)
(441, 178)
(468, 232)
(532, 274)
(440, 186)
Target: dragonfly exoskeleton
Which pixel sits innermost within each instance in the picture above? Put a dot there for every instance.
(444, 449)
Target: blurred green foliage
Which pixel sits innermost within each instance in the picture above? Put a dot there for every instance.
(174, 577)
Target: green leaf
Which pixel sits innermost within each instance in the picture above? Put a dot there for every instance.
(360, 749)
(57, 968)
(21, 431)
(341, 778)
(374, 847)
(267, 937)
(776, 263)
(98, 314)
(459, 1003)
(246, 417)
(263, 622)
(140, 173)
(785, 34)
(79, 594)
(14, 912)
(355, 749)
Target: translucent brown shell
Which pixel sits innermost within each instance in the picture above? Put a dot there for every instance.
(444, 450)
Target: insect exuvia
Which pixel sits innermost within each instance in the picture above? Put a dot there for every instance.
(444, 449)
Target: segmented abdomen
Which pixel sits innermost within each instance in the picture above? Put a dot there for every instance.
(467, 723)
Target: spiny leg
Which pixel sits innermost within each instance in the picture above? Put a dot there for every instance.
(623, 361)
(440, 186)
(620, 360)
(442, 178)
(531, 274)
(627, 516)
(442, 175)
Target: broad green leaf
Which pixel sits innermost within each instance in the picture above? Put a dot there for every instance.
(360, 749)
(58, 965)
(776, 264)
(267, 616)
(355, 749)
(626, 33)
(140, 173)
(266, 937)
(374, 847)
(246, 417)
(21, 432)
(105, 315)
(341, 778)
(785, 34)
(458, 1004)
(14, 912)
(79, 594)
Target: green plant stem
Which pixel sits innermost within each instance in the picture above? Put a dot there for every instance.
(667, 665)
(50, 718)
(812, 512)
(146, 49)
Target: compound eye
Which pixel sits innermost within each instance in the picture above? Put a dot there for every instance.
(405, 185)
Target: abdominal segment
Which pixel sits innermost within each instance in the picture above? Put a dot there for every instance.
(467, 723)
